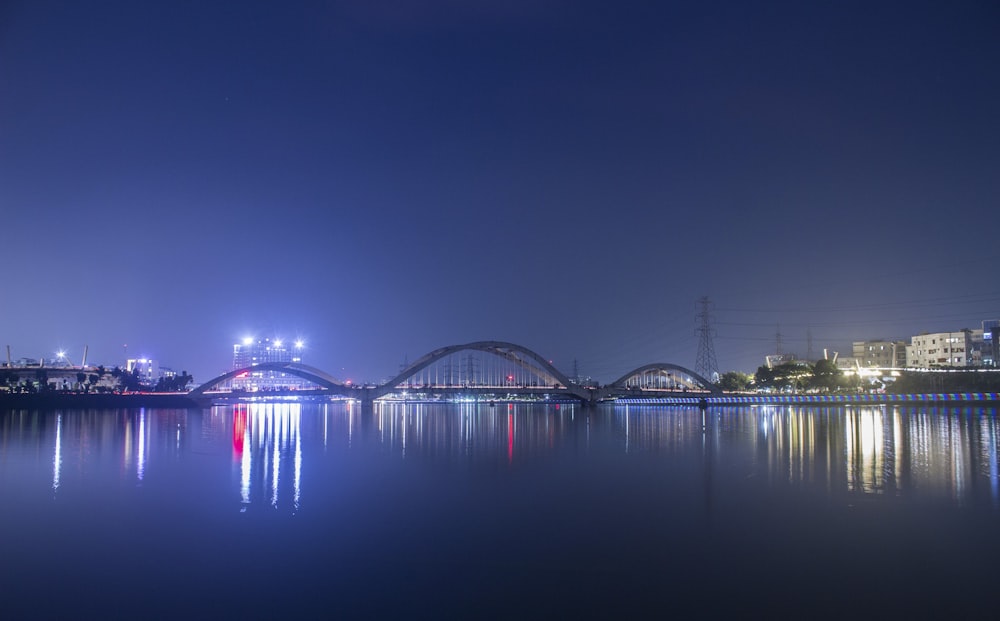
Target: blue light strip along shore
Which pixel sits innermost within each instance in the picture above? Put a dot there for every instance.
(866, 399)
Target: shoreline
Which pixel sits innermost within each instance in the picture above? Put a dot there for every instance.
(58, 400)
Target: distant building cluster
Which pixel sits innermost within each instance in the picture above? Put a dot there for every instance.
(60, 373)
(148, 370)
(965, 348)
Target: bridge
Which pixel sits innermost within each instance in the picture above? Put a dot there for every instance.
(482, 369)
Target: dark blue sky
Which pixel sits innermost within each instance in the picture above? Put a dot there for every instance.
(385, 178)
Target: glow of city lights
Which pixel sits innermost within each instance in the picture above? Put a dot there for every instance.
(248, 340)
(277, 342)
(299, 344)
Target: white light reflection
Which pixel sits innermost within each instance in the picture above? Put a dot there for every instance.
(245, 464)
(960, 461)
(265, 435)
(864, 450)
(991, 453)
(298, 465)
(897, 445)
(350, 423)
(57, 459)
(275, 461)
(140, 466)
(626, 431)
(245, 479)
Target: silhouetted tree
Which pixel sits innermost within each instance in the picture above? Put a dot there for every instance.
(735, 381)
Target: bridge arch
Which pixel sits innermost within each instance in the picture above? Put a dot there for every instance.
(665, 367)
(516, 354)
(303, 371)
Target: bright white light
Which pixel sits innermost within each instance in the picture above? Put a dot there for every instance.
(277, 342)
(299, 344)
(61, 354)
(248, 340)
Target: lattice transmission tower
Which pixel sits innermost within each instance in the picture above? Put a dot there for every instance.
(705, 365)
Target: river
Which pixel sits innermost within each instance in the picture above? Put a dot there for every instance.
(477, 510)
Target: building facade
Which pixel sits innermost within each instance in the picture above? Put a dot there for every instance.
(880, 354)
(991, 343)
(945, 349)
(254, 352)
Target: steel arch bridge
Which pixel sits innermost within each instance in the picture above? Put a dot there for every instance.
(311, 374)
(658, 379)
(545, 377)
(515, 370)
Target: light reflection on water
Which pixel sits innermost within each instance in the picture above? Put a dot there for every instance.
(931, 452)
(266, 435)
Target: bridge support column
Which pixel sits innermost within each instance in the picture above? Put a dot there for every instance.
(367, 402)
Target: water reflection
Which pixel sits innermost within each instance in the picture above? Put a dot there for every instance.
(473, 431)
(135, 441)
(266, 436)
(865, 451)
(57, 459)
(872, 451)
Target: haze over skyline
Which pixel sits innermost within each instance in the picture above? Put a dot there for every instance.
(381, 179)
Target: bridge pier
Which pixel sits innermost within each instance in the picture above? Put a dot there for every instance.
(367, 402)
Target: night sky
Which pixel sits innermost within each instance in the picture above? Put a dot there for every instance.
(385, 178)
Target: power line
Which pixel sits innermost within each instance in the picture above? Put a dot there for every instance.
(940, 301)
(852, 323)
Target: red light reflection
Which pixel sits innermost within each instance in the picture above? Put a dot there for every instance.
(239, 429)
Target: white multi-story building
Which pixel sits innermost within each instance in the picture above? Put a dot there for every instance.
(945, 349)
(253, 352)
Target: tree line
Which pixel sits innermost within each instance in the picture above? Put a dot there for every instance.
(821, 376)
(824, 376)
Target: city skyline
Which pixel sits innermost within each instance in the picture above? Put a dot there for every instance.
(384, 179)
(277, 349)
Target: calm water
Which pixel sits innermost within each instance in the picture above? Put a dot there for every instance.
(512, 511)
